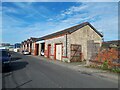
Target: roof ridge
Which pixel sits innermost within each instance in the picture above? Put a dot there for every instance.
(69, 30)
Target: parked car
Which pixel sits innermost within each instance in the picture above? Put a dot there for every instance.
(16, 50)
(26, 52)
(42, 53)
(5, 58)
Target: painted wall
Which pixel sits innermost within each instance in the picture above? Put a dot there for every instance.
(57, 40)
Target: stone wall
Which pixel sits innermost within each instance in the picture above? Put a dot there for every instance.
(33, 48)
(58, 40)
(82, 36)
(39, 51)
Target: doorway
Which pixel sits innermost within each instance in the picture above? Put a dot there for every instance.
(49, 50)
(37, 49)
(42, 49)
(59, 52)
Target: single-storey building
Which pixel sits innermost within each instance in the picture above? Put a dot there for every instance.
(73, 44)
(77, 43)
(32, 44)
(29, 45)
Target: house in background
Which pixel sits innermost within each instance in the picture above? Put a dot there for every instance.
(73, 44)
(17, 47)
(111, 44)
(7, 46)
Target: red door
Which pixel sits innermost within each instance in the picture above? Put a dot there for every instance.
(49, 50)
(35, 51)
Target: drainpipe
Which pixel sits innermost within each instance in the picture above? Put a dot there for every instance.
(66, 45)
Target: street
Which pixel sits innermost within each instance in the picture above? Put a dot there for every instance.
(29, 72)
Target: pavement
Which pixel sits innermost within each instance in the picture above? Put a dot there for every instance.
(81, 67)
(29, 71)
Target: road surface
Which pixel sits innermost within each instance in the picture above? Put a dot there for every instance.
(30, 72)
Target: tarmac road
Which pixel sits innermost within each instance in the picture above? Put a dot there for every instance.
(29, 72)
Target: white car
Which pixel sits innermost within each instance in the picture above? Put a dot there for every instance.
(42, 53)
(26, 52)
(16, 50)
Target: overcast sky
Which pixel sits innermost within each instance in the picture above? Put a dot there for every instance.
(21, 21)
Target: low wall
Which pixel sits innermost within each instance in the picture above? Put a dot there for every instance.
(98, 63)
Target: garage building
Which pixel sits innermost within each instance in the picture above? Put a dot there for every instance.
(74, 44)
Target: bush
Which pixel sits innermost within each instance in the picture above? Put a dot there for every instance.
(116, 70)
(105, 65)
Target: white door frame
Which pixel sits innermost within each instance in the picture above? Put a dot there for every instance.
(59, 51)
